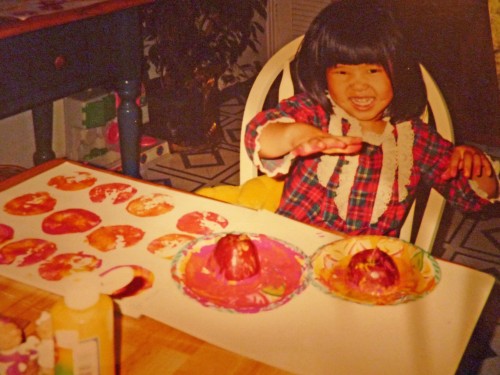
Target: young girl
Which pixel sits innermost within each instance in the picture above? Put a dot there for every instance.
(352, 143)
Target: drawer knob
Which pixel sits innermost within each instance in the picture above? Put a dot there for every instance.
(60, 62)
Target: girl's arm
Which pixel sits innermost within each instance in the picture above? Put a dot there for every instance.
(278, 139)
(475, 165)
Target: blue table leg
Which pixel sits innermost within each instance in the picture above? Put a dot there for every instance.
(42, 124)
(129, 120)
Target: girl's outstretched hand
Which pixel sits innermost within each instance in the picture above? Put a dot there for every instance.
(328, 144)
(470, 161)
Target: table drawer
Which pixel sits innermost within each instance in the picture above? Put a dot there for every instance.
(67, 57)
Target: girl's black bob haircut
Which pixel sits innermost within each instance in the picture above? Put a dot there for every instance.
(361, 32)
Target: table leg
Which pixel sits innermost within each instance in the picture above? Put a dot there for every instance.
(129, 119)
(42, 124)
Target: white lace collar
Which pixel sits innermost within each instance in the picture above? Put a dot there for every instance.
(397, 157)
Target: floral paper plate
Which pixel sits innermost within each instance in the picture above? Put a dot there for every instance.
(283, 274)
(406, 274)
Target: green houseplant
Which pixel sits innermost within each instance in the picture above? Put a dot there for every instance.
(192, 45)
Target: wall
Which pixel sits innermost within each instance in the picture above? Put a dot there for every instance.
(453, 40)
(494, 9)
(17, 141)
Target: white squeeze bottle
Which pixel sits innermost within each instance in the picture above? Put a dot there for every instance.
(84, 329)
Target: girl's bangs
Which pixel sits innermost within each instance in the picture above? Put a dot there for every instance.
(356, 54)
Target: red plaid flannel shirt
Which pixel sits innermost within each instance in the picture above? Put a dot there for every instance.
(305, 199)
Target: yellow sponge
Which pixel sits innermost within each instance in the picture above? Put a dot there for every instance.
(224, 193)
(261, 192)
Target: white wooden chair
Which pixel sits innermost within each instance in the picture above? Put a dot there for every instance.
(280, 63)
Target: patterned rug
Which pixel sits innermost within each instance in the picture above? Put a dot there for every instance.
(474, 241)
(213, 165)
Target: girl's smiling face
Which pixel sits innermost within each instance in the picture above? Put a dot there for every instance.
(364, 91)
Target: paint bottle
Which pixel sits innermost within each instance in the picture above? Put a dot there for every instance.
(84, 329)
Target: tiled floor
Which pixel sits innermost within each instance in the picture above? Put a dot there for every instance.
(219, 164)
(474, 241)
(471, 240)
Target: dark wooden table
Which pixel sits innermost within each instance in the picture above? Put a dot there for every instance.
(48, 57)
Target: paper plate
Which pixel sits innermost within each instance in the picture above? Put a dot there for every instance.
(283, 274)
(418, 272)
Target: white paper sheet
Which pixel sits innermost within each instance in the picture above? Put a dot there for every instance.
(314, 333)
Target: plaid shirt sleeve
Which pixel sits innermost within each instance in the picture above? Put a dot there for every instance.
(432, 156)
(296, 109)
